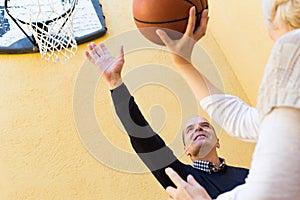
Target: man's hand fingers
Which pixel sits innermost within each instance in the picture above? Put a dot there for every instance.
(104, 49)
(121, 52)
(97, 52)
(91, 46)
(89, 57)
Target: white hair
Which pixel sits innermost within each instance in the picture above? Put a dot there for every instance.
(282, 12)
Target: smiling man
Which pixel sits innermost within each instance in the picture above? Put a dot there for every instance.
(201, 143)
(199, 136)
(201, 146)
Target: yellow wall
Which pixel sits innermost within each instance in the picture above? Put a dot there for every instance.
(45, 156)
(239, 29)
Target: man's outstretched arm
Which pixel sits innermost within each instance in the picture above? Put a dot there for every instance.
(147, 144)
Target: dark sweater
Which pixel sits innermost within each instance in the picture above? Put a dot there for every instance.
(157, 156)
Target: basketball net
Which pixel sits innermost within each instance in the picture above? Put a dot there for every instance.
(51, 25)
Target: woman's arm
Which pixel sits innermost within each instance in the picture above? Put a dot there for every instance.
(237, 118)
(181, 51)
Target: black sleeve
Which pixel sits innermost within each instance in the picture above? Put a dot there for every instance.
(147, 144)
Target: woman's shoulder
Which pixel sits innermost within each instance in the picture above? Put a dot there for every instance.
(286, 50)
(290, 37)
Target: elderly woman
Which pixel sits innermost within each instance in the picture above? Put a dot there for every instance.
(274, 124)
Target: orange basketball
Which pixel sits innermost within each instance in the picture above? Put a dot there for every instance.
(169, 15)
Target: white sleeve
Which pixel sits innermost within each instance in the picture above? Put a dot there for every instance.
(275, 172)
(236, 117)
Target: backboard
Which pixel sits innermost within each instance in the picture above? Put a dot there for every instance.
(88, 24)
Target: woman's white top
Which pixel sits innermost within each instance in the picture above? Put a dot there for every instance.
(274, 124)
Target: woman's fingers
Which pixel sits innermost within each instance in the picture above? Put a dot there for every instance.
(201, 30)
(177, 180)
(164, 37)
(191, 22)
(171, 192)
(191, 180)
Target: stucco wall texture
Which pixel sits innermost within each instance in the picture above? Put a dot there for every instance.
(43, 153)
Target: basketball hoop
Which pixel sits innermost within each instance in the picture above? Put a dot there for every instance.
(51, 25)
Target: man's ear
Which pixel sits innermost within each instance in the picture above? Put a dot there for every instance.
(218, 143)
(186, 152)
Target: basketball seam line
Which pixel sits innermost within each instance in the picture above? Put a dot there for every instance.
(165, 22)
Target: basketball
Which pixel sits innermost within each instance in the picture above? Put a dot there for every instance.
(168, 15)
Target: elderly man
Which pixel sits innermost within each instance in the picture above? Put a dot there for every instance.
(199, 136)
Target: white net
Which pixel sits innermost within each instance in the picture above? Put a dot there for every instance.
(51, 25)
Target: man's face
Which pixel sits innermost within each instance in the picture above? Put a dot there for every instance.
(199, 137)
